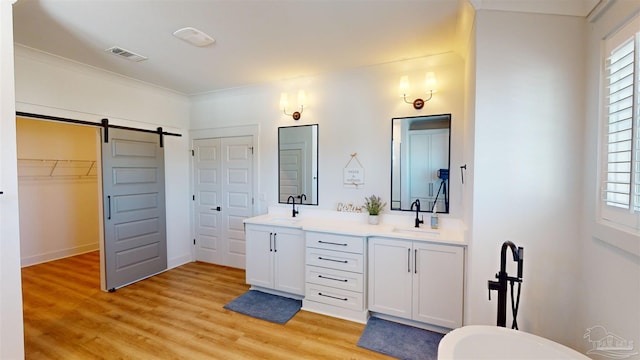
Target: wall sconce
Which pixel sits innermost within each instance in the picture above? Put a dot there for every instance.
(284, 102)
(430, 85)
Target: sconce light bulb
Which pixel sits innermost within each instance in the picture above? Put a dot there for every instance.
(302, 98)
(404, 86)
(284, 102)
(431, 82)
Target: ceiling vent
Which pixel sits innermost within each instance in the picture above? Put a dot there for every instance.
(129, 55)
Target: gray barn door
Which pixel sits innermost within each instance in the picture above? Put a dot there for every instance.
(134, 207)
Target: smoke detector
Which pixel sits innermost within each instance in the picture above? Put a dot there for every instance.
(129, 55)
(194, 36)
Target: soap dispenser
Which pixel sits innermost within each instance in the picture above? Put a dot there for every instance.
(434, 217)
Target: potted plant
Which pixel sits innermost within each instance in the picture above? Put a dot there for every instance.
(374, 206)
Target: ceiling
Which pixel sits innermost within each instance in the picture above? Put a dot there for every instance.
(257, 41)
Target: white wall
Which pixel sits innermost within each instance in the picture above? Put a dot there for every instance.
(11, 328)
(354, 110)
(58, 219)
(58, 214)
(610, 296)
(469, 138)
(527, 167)
(53, 86)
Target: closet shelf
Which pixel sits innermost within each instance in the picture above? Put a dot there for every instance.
(56, 168)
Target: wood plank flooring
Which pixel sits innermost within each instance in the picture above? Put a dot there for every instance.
(175, 315)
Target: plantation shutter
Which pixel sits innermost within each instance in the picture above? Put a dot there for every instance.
(622, 184)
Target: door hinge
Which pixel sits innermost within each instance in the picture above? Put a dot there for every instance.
(193, 152)
(252, 199)
(193, 197)
(251, 147)
(194, 241)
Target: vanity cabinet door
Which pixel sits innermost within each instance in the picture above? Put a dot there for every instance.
(259, 252)
(438, 284)
(289, 260)
(390, 276)
(275, 258)
(417, 280)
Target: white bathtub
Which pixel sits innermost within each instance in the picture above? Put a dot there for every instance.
(493, 342)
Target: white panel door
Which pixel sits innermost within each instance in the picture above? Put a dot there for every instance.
(420, 172)
(290, 173)
(208, 199)
(223, 198)
(134, 207)
(439, 159)
(429, 151)
(237, 188)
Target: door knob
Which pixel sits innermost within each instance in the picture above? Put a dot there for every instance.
(216, 208)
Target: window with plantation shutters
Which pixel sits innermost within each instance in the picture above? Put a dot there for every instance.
(620, 149)
(620, 183)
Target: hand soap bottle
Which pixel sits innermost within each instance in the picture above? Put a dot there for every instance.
(434, 218)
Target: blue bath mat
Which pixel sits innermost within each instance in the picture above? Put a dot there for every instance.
(265, 306)
(400, 341)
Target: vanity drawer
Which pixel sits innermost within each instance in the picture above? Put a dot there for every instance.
(335, 260)
(354, 244)
(337, 297)
(335, 278)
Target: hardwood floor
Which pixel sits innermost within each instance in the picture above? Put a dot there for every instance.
(175, 315)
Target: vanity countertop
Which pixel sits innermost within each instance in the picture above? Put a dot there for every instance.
(356, 225)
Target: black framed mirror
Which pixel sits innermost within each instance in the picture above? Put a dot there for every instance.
(298, 164)
(420, 158)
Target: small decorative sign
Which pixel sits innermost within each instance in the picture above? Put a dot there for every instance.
(349, 208)
(353, 173)
(354, 176)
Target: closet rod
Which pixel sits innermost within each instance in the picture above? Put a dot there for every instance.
(90, 123)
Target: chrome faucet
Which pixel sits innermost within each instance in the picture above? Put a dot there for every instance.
(293, 203)
(416, 204)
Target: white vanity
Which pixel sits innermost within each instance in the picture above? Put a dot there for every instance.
(343, 267)
(416, 280)
(274, 254)
(335, 274)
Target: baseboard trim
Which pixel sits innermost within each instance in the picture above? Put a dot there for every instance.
(277, 292)
(335, 311)
(178, 261)
(420, 325)
(59, 254)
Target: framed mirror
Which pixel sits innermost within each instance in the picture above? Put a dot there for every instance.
(420, 148)
(298, 164)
